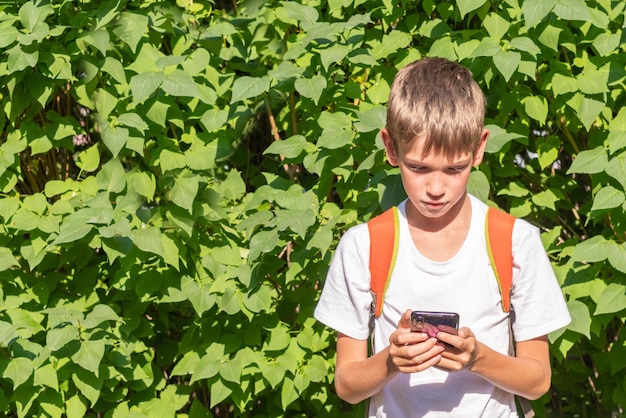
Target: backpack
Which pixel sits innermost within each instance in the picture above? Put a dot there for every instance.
(384, 233)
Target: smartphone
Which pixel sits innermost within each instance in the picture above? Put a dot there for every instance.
(433, 322)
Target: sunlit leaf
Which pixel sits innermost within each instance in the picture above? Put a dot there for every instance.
(246, 87)
(589, 161)
(536, 10)
(613, 299)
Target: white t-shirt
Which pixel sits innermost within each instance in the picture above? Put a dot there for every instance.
(464, 284)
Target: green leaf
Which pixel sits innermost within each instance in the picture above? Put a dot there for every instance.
(46, 376)
(613, 299)
(18, 59)
(537, 108)
(617, 257)
(592, 250)
(58, 338)
(72, 231)
(563, 84)
(199, 295)
(299, 221)
(75, 408)
(536, 10)
(115, 139)
(291, 147)
(589, 110)
(523, 43)
(143, 85)
(89, 355)
(98, 38)
(31, 14)
(594, 81)
(607, 43)
(334, 54)
(548, 150)
(88, 385)
(478, 185)
(496, 25)
(488, 47)
(230, 370)
(515, 189)
(608, 198)
(572, 10)
(231, 302)
(617, 134)
(184, 192)
(589, 161)
(581, 319)
(89, 159)
(179, 84)
(18, 371)
(233, 187)
(466, 6)
(304, 14)
(546, 199)
(279, 339)
(187, 364)
(288, 393)
(131, 27)
(371, 120)
(262, 242)
(7, 259)
(98, 315)
(335, 139)
(259, 300)
(246, 87)
(143, 183)
(219, 392)
(148, 240)
(507, 62)
(316, 369)
(311, 87)
(390, 44)
(616, 168)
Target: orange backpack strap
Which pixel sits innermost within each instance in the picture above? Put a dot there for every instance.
(384, 232)
(498, 234)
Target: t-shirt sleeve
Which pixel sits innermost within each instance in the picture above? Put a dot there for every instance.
(345, 301)
(536, 296)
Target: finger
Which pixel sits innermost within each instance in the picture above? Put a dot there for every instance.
(400, 338)
(465, 332)
(422, 361)
(405, 320)
(450, 339)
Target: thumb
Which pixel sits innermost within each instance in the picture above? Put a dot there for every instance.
(405, 320)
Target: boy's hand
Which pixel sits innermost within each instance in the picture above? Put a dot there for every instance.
(411, 352)
(460, 351)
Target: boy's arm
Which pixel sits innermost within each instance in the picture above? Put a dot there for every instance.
(358, 377)
(528, 374)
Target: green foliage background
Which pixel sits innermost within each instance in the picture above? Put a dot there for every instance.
(175, 175)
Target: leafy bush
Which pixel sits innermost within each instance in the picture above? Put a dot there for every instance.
(176, 175)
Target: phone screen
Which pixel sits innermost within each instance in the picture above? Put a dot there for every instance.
(432, 322)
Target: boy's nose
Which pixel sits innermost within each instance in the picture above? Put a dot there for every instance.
(435, 185)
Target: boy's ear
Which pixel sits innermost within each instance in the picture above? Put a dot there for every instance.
(392, 156)
(480, 150)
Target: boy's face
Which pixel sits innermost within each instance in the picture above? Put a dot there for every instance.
(434, 183)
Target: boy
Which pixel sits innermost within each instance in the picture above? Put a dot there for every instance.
(435, 133)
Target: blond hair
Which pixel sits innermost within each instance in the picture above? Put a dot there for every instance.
(437, 101)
